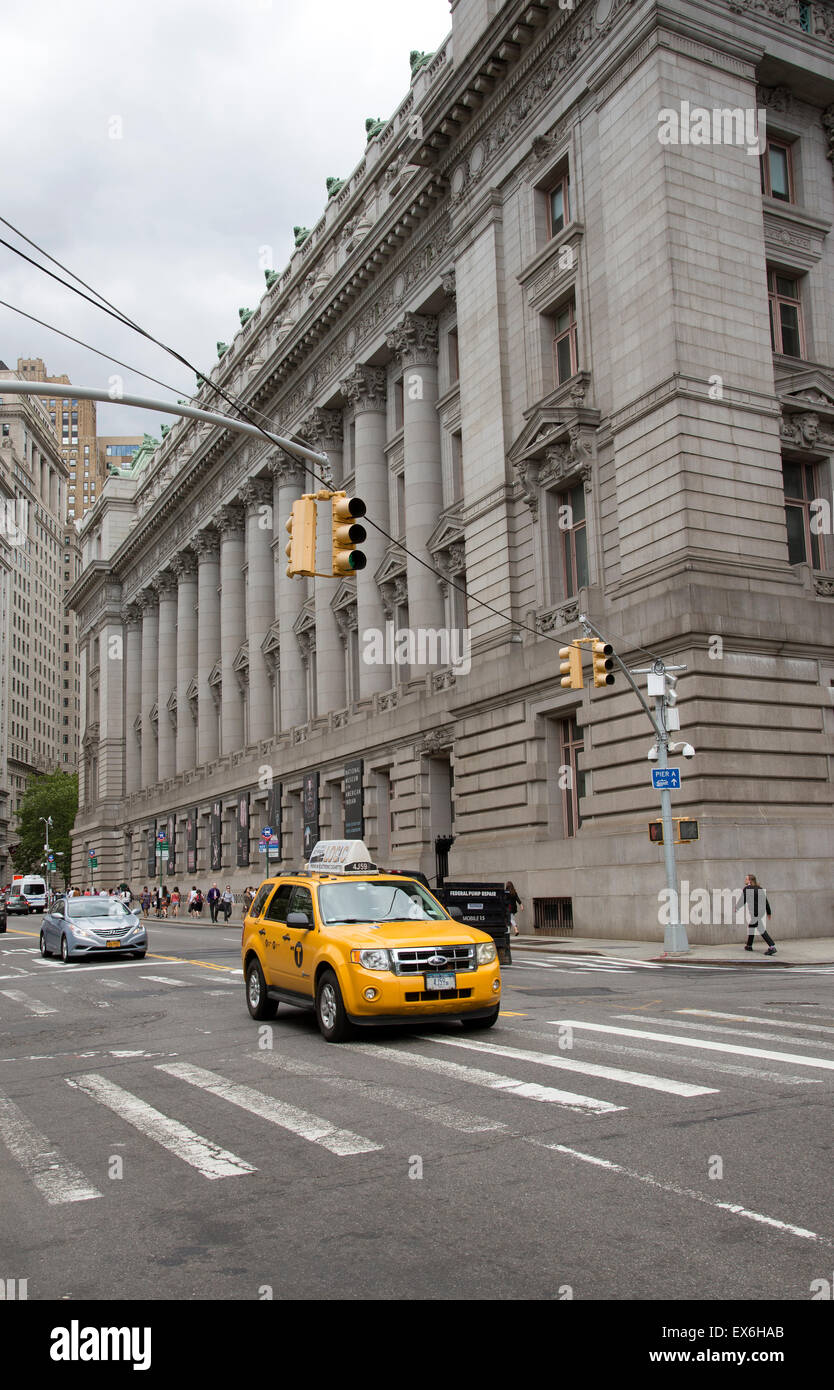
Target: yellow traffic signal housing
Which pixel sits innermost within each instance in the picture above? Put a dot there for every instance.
(602, 653)
(686, 830)
(301, 548)
(571, 667)
(347, 534)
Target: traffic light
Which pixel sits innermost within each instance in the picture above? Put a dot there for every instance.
(301, 549)
(602, 653)
(686, 830)
(347, 534)
(571, 667)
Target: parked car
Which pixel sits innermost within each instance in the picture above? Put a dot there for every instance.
(78, 927)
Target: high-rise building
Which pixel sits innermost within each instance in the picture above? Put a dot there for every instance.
(568, 329)
(74, 422)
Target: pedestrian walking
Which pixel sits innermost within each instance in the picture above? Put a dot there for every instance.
(175, 903)
(514, 903)
(756, 906)
(213, 899)
(226, 902)
(192, 898)
(164, 900)
(248, 899)
(198, 903)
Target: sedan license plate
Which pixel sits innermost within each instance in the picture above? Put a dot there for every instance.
(440, 982)
(112, 943)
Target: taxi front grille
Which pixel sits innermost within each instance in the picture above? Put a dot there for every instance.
(424, 996)
(418, 960)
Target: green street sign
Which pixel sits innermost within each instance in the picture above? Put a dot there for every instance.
(93, 863)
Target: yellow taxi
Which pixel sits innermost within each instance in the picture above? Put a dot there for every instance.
(363, 948)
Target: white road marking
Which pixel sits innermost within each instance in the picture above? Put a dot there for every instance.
(33, 1005)
(725, 1028)
(165, 980)
(774, 1022)
(675, 1190)
(16, 974)
(208, 1158)
(794, 1058)
(447, 1115)
(545, 1059)
(527, 1090)
(56, 1179)
(593, 962)
(300, 1122)
(114, 965)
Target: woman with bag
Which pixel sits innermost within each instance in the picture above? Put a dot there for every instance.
(514, 903)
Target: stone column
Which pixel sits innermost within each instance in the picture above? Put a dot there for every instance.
(165, 585)
(323, 429)
(289, 480)
(184, 566)
(260, 602)
(364, 389)
(229, 521)
(414, 342)
(207, 546)
(150, 649)
(132, 619)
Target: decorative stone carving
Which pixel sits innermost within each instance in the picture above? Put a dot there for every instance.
(827, 119)
(289, 471)
(388, 699)
(364, 388)
(255, 493)
(557, 619)
(131, 615)
(824, 585)
(206, 543)
(414, 340)
(807, 431)
(333, 186)
(443, 680)
(448, 283)
(373, 126)
(435, 741)
(147, 599)
(229, 520)
(165, 584)
(300, 234)
(775, 98)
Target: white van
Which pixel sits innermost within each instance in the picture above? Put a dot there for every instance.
(33, 889)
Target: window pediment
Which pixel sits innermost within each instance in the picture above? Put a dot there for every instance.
(807, 401)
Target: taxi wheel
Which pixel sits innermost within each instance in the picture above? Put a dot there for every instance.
(258, 1001)
(333, 1022)
(476, 1025)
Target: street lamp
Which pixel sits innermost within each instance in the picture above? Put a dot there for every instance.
(47, 820)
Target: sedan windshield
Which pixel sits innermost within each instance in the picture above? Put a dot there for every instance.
(361, 901)
(96, 907)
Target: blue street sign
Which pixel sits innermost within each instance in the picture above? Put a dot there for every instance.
(266, 832)
(666, 778)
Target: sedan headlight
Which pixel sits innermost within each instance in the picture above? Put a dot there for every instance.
(486, 952)
(372, 960)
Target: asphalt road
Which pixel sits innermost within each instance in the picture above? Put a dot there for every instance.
(627, 1131)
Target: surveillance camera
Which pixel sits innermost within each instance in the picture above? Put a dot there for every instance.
(688, 750)
(652, 754)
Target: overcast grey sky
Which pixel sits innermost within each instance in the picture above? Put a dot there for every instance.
(231, 117)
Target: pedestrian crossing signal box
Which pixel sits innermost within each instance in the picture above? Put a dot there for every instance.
(686, 830)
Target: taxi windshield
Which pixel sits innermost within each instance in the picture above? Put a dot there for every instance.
(361, 901)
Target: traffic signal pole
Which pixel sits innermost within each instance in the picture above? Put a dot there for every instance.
(674, 937)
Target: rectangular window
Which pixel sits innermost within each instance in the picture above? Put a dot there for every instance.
(776, 177)
(457, 467)
(558, 207)
(399, 483)
(572, 524)
(803, 540)
(572, 745)
(786, 334)
(565, 358)
(399, 416)
(454, 359)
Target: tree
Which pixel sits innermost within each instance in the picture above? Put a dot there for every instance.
(53, 794)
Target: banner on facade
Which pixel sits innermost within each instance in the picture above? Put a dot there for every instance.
(273, 820)
(310, 806)
(354, 802)
(243, 830)
(191, 841)
(152, 850)
(172, 844)
(217, 835)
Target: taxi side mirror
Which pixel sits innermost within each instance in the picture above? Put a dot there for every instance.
(300, 920)
(456, 913)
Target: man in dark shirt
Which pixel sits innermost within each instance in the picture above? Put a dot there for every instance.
(756, 905)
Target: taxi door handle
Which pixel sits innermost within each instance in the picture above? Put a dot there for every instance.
(261, 931)
(286, 938)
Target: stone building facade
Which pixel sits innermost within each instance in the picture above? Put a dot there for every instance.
(573, 344)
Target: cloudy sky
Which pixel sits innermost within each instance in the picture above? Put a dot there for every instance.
(159, 146)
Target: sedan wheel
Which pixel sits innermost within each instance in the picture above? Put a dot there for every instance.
(65, 950)
(44, 951)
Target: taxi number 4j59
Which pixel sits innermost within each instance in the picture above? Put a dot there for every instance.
(440, 982)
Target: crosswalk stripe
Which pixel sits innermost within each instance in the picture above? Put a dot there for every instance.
(165, 980)
(446, 1115)
(492, 1080)
(794, 1058)
(747, 1018)
(208, 1158)
(300, 1122)
(545, 1059)
(726, 1028)
(56, 1179)
(33, 1005)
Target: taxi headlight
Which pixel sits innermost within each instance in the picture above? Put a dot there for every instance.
(371, 960)
(486, 952)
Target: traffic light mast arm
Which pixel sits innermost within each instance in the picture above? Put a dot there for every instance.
(659, 730)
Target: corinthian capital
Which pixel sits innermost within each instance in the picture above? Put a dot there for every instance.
(364, 389)
(131, 615)
(255, 493)
(229, 521)
(165, 584)
(323, 429)
(287, 471)
(414, 340)
(206, 543)
(147, 599)
(184, 564)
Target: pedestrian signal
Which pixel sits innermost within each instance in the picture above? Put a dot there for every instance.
(603, 658)
(301, 548)
(347, 534)
(686, 830)
(570, 667)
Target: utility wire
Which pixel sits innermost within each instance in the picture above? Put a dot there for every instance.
(244, 410)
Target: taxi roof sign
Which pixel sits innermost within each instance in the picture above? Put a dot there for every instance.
(341, 857)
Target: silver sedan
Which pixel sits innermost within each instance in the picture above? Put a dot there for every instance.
(79, 927)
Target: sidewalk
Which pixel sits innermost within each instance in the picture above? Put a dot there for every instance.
(815, 950)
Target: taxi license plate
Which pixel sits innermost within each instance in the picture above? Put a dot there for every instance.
(112, 943)
(440, 982)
